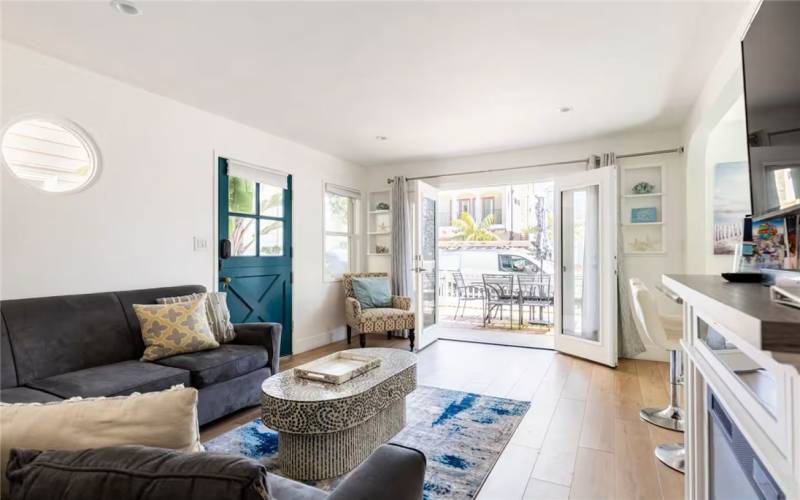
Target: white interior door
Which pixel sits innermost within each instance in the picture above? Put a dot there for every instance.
(426, 264)
(586, 265)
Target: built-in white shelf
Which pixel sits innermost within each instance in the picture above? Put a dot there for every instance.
(643, 238)
(379, 231)
(644, 195)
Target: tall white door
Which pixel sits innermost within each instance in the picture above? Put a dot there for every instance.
(426, 263)
(586, 265)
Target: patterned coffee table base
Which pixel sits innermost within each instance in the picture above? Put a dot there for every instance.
(326, 455)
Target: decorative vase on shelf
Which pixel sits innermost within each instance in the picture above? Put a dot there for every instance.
(643, 188)
(382, 206)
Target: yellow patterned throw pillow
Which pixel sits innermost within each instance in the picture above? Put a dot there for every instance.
(170, 329)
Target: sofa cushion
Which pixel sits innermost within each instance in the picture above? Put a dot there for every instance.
(26, 395)
(134, 473)
(167, 419)
(282, 488)
(382, 319)
(53, 335)
(117, 379)
(8, 372)
(218, 365)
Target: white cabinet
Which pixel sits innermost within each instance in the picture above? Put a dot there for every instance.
(757, 389)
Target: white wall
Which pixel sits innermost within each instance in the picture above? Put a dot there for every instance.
(648, 268)
(727, 142)
(133, 228)
(722, 89)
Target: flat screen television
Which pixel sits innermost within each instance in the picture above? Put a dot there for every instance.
(771, 59)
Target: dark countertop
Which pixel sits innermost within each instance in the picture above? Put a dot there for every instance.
(742, 306)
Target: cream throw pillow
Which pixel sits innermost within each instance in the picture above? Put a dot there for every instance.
(166, 419)
(170, 329)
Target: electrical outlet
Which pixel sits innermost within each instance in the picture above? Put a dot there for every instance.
(199, 243)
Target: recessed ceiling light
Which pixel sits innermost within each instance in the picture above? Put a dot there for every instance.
(565, 109)
(126, 7)
(381, 137)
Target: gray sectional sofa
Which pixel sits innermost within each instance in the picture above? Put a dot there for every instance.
(89, 345)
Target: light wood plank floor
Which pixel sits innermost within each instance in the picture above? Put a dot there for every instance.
(582, 437)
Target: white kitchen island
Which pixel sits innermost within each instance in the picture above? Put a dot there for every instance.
(742, 390)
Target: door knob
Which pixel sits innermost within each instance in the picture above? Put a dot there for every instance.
(227, 281)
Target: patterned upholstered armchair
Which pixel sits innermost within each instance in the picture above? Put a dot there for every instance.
(376, 320)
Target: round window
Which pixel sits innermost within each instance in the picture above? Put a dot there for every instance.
(51, 154)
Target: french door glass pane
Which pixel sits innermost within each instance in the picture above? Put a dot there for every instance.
(271, 239)
(337, 213)
(429, 262)
(580, 292)
(337, 256)
(241, 196)
(271, 200)
(242, 233)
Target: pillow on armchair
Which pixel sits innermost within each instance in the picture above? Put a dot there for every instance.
(372, 292)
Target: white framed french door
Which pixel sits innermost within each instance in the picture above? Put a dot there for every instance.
(426, 263)
(586, 265)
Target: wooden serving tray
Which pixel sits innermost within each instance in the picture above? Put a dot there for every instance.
(338, 367)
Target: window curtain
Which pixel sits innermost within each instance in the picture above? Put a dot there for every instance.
(401, 239)
(629, 342)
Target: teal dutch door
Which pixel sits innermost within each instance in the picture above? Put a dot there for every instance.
(256, 219)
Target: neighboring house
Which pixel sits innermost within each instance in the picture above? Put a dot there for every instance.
(513, 208)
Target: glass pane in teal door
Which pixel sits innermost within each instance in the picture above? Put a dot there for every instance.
(242, 233)
(271, 239)
(271, 200)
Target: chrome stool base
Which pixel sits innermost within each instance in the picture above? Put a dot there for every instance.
(672, 455)
(670, 417)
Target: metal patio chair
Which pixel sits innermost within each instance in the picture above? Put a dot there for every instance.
(466, 293)
(535, 291)
(499, 291)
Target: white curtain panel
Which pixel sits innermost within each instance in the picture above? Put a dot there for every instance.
(401, 238)
(629, 342)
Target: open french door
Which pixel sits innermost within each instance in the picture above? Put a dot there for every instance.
(425, 263)
(586, 265)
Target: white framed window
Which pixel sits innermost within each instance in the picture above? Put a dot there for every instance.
(342, 238)
(49, 153)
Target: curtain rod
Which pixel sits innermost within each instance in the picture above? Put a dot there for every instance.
(678, 150)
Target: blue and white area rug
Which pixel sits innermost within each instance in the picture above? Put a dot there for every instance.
(462, 435)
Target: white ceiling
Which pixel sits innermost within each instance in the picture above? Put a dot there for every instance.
(435, 78)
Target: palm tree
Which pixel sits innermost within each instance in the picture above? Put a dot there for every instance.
(469, 230)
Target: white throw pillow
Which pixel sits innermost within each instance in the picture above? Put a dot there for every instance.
(166, 419)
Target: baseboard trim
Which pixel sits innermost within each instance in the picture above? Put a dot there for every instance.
(318, 340)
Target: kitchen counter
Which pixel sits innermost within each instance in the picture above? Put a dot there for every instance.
(743, 352)
(743, 307)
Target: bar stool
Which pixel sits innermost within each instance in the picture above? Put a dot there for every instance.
(664, 331)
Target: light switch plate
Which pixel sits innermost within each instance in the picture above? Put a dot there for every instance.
(199, 243)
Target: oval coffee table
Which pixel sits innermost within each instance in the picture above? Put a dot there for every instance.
(326, 430)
